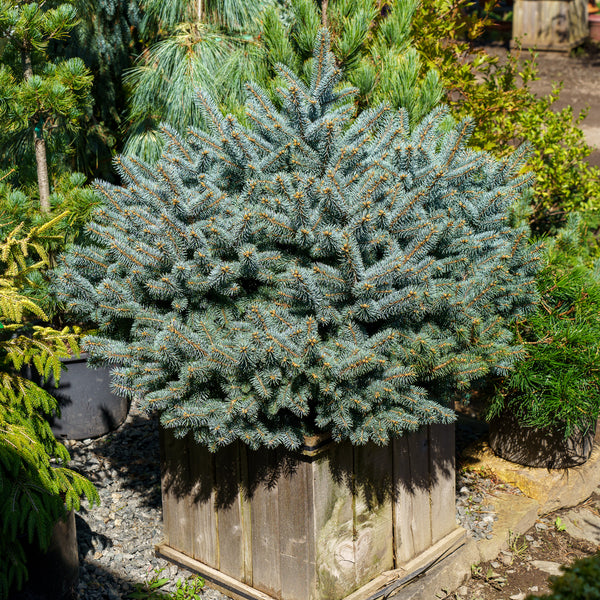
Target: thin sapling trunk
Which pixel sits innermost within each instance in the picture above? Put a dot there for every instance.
(39, 145)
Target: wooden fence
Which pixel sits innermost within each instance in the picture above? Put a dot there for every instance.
(550, 24)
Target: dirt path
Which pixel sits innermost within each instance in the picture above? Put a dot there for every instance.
(556, 539)
(580, 76)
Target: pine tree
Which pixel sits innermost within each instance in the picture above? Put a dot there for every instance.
(315, 271)
(373, 45)
(217, 49)
(37, 95)
(207, 44)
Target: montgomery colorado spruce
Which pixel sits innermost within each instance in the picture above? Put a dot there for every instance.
(313, 271)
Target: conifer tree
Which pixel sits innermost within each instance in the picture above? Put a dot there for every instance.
(36, 487)
(38, 96)
(314, 271)
(217, 49)
(373, 45)
(207, 44)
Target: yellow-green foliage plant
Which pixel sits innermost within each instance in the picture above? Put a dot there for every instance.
(497, 95)
(36, 487)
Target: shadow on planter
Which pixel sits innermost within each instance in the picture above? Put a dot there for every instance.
(318, 523)
(542, 448)
(425, 467)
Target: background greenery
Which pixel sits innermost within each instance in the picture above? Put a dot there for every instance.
(107, 72)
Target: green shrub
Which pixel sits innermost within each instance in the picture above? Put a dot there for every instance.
(557, 385)
(36, 489)
(312, 272)
(505, 110)
(580, 581)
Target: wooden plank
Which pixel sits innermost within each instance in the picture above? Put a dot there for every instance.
(442, 480)
(203, 501)
(176, 485)
(333, 509)
(418, 452)
(550, 24)
(294, 538)
(214, 578)
(246, 514)
(404, 546)
(264, 519)
(373, 513)
(412, 510)
(311, 581)
(228, 503)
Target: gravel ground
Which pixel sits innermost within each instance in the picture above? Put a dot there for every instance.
(117, 539)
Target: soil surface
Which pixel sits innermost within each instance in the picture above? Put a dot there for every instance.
(524, 568)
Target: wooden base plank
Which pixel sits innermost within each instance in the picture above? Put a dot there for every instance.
(224, 583)
(387, 583)
(377, 588)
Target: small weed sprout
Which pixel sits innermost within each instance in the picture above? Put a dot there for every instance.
(559, 525)
(517, 544)
(188, 589)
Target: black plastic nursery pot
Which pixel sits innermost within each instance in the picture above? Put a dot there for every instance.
(88, 408)
(543, 448)
(54, 574)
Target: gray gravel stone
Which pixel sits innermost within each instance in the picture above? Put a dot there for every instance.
(117, 539)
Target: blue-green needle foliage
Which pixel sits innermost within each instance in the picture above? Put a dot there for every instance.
(314, 271)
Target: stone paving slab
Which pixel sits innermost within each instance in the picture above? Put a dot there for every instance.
(551, 488)
(584, 524)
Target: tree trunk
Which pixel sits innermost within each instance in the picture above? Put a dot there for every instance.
(199, 11)
(42, 170)
(324, 4)
(39, 145)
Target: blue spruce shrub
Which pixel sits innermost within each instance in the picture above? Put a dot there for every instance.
(315, 271)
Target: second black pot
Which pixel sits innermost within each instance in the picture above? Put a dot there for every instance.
(88, 408)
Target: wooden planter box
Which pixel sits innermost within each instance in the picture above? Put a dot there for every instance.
(313, 525)
(550, 24)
